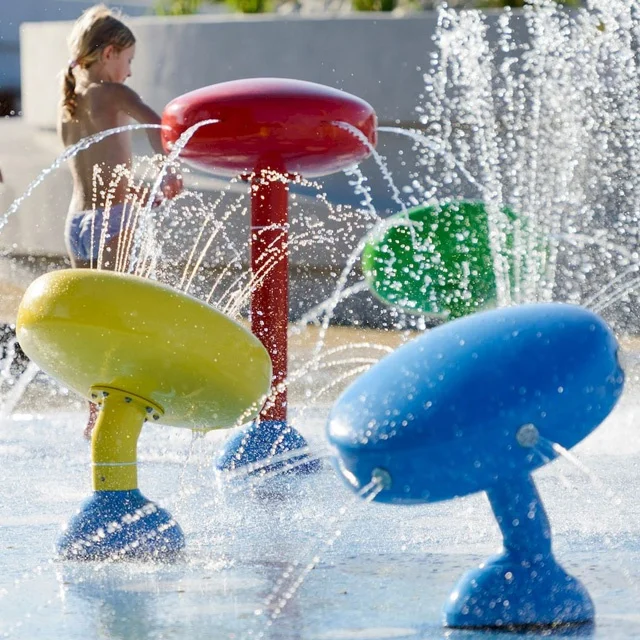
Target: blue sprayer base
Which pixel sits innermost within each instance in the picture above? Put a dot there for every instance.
(121, 525)
(259, 442)
(512, 591)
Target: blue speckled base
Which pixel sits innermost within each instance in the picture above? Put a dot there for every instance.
(121, 525)
(258, 443)
(509, 591)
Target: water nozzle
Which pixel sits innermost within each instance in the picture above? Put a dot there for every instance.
(381, 477)
(528, 436)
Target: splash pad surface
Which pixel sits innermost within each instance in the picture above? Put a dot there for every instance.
(385, 576)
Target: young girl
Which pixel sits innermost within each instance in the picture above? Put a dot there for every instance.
(94, 99)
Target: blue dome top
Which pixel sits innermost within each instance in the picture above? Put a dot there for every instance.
(443, 413)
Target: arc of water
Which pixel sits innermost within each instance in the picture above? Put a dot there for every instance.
(180, 144)
(126, 246)
(303, 371)
(258, 472)
(614, 297)
(260, 274)
(353, 256)
(67, 154)
(210, 240)
(365, 363)
(380, 161)
(556, 450)
(156, 256)
(356, 371)
(335, 297)
(225, 190)
(140, 194)
(538, 450)
(240, 298)
(118, 176)
(12, 398)
(227, 268)
(433, 146)
(360, 189)
(97, 184)
(315, 312)
(255, 280)
(598, 301)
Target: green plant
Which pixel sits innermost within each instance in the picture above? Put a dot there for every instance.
(250, 6)
(374, 5)
(176, 7)
(189, 7)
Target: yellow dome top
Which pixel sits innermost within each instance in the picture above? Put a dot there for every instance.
(93, 328)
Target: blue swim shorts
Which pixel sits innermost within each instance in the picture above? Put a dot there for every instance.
(85, 231)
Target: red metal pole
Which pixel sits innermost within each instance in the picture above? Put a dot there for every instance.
(270, 271)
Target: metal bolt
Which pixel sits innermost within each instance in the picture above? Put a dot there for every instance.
(527, 435)
(127, 399)
(156, 416)
(381, 477)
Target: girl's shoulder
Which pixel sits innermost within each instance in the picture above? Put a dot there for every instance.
(108, 95)
(99, 90)
(103, 97)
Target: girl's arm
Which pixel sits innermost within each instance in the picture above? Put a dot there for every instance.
(132, 104)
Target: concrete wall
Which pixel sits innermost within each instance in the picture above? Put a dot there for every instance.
(375, 57)
(13, 13)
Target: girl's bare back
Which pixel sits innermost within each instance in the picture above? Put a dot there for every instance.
(100, 172)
